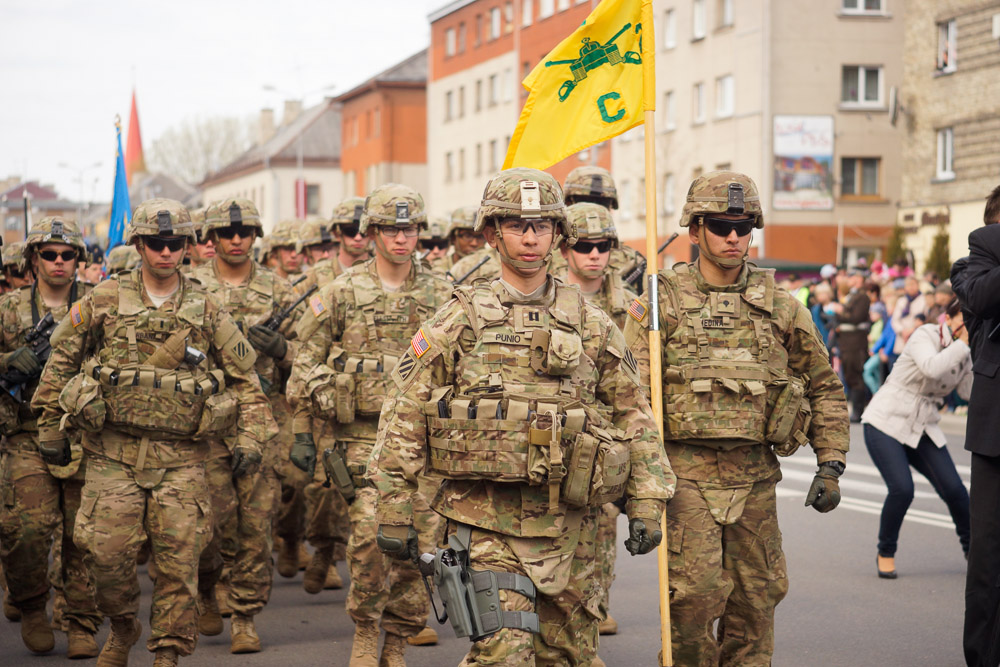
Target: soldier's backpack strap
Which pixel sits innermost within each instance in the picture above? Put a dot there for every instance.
(365, 292)
(129, 306)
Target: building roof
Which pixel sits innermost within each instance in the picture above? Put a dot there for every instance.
(412, 70)
(319, 128)
(450, 7)
(153, 185)
(35, 191)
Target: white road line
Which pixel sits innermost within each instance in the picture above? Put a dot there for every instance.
(867, 470)
(846, 483)
(868, 507)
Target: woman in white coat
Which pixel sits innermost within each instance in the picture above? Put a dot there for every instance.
(901, 428)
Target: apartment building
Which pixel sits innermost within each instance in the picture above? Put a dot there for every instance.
(384, 129)
(480, 51)
(949, 110)
(799, 100)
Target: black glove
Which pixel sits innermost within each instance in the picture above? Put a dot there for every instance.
(245, 461)
(271, 343)
(55, 452)
(398, 541)
(303, 453)
(23, 360)
(824, 493)
(644, 535)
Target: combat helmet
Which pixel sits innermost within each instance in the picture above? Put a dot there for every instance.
(526, 194)
(723, 192)
(198, 220)
(591, 184)
(314, 232)
(232, 211)
(160, 217)
(12, 256)
(348, 212)
(435, 230)
(122, 258)
(592, 222)
(463, 217)
(54, 229)
(393, 205)
(284, 235)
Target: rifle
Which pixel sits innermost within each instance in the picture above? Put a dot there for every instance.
(37, 338)
(278, 318)
(633, 278)
(485, 259)
(300, 279)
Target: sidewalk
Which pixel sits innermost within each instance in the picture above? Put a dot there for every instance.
(953, 423)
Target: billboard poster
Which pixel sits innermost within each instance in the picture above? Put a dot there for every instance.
(803, 163)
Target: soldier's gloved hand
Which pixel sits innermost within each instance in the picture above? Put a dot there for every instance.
(55, 452)
(246, 460)
(23, 359)
(271, 343)
(398, 541)
(824, 493)
(304, 452)
(644, 535)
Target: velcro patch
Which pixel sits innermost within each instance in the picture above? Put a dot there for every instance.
(75, 316)
(420, 344)
(241, 349)
(317, 305)
(637, 310)
(404, 368)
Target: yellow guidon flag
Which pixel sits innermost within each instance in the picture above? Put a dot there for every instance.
(593, 86)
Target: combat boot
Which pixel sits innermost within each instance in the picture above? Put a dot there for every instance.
(125, 632)
(392, 651)
(364, 650)
(36, 633)
(333, 579)
(222, 599)
(81, 642)
(426, 637)
(243, 635)
(12, 613)
(209, 618)
(304, 556)
(288, 558)
(315, 577)
(165, 657)
(608, 626)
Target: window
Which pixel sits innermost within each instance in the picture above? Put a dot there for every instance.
(527, 11)
(494, 163)
(495, 23)
(494, 92)
(669, 29)
(449, 167)
(479, 94)
(563, 5)
(449, 42)
(371, 177)
(945, 154)
(508, 85)
(862, 6)
(861, 86)
(479, 159)
(448, 102)
(668, 196)
(546, 8)
(368, 125)
(859, 177)
(479, 29)
(669, 110)
(698, 19)
(947, 46)
(461, 164)
(625, 199)
(461, 101)
(725, 13)
(378, 121)
(724, 96)
(461, 37)
(508, 13)
(312, 199)
(699, 103)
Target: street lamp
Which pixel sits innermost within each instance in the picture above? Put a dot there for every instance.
(79, 179)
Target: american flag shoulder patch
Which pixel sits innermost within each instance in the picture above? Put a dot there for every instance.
(75, 316)
(420, 344)
(317, 305)
(637, 311)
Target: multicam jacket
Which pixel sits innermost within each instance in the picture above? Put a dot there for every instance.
(489, 270)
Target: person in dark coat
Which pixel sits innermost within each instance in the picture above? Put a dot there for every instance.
(853, 324)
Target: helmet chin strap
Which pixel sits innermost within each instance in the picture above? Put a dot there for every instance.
(354, 252)
(521, 264)
(583, 273)
(721, 262)
(384, 252)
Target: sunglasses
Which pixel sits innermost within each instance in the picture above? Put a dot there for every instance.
(14, 273)
(434, 245)
(158, 243)
(586, 247)
(52, 255)
(393, 232)
(228, 233)
(350, 231)
(519, 227)
(722, 227)
(321, 247)
(465, 235)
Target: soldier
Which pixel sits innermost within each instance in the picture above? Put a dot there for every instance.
(122, 259)
(251, 295)
(39, 496)
(280, 252)
(15, 266)
(522, 365)
(203, 250)
(353, 333)
(91, 268)
(346, 225)
(434, 243)
(319, 249)
(147, 365)
(462, 240)
(586, 265)
(746, 377)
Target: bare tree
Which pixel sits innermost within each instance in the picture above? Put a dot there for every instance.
(197, 147)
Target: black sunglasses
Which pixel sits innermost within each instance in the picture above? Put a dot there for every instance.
(586, 247)
(350, 231)
(51, 255)
(229, 232)
(722, 227)
(434, 245)
(158, 243)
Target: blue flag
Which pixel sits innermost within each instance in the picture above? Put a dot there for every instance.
(121, 208)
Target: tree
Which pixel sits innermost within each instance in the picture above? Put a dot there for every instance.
(896, 249)
(938, 260)
(196, 147)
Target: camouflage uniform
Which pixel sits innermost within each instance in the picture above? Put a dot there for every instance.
(474, 352)
(461, 218)
(322, 272)
(353, 334)
(39, 498)
(145, 473)
(192, 262)
(728, 354)
(122, 258)
(488, 271)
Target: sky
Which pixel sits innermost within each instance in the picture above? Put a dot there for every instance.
(69, 67)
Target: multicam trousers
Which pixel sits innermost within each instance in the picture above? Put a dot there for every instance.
(218, 556)
(326, 511)
(607, 549)
(568, 618)
(290, 522)
(119, 509)
(34, 506)
(253, 568)
(726, 564)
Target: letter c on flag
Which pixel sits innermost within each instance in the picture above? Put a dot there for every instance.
(607, 118)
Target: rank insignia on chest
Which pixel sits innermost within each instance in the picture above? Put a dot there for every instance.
(637, 311)
(420, 344)
(317, 305)
(75, 316)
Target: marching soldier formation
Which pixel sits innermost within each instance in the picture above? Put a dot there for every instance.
(455, 407)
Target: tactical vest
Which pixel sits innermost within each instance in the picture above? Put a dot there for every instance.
(726, 371)
(611, 298)
(523, 408)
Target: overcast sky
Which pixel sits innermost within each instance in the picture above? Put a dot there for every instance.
(68, 67)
